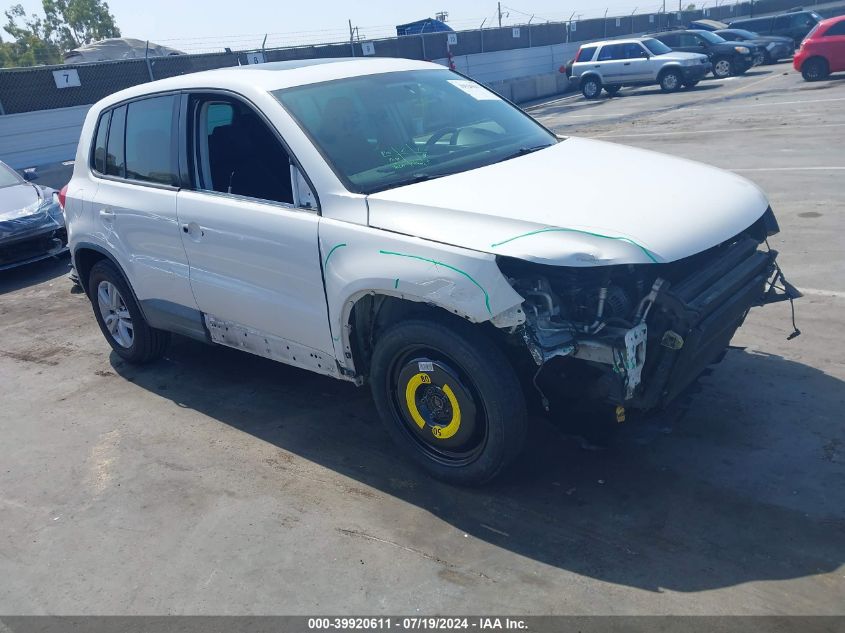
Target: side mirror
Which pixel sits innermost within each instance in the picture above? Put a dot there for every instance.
(30, 174)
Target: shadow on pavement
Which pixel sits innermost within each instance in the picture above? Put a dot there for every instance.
(35, 273)
(711, 500)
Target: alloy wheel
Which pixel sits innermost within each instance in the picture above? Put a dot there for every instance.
(115, 314)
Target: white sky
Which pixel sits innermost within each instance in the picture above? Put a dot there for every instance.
(193, 25)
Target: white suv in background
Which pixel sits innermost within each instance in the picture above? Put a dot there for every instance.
(391, 222)
(635, 62)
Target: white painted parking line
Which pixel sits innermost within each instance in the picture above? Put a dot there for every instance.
(823, 293)
(837, 168)
(784, 128)
(779, 103)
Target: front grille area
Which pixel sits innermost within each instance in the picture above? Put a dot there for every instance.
(32, 248)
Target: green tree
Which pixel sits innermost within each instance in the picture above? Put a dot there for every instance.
(66, 25)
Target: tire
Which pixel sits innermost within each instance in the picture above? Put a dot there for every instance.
(466, 388)
(130, 336)
(670, 81)
(612, 91)
(723, 67)
(815, 69)
(690, 84)
(591, 87)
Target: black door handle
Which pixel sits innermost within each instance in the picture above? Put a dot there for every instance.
(627, 64)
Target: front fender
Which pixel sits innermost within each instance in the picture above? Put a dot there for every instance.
(359, 260)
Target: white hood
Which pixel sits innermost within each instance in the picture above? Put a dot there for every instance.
(578, 203)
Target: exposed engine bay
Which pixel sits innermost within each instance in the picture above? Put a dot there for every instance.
(649, 329)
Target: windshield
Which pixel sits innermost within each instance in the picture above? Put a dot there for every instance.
(386, 130)
(656, 47)
(743, 33)
(711, 37)
(8, 176)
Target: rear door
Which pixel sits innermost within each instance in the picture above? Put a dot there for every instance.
(613, 64)
(834, 42)
(253, 253)
(136, 197)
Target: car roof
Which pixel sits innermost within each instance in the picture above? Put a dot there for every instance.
(273, 75)
(627, 40)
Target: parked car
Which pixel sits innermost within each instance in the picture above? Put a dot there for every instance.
(774, 47)
(726, 57)
(635, 62)
(823, 50)
(32, 226)
(361, 219)
(706, 25)
(795, 24)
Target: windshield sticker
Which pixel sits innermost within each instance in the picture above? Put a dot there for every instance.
(402, 157)
(474, 90)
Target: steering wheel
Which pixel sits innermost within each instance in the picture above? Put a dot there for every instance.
(440, 134)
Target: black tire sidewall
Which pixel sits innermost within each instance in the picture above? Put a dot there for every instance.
(493, 379)
(140, 350)
(598, 88)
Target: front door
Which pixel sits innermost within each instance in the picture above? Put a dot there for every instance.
(253, 254)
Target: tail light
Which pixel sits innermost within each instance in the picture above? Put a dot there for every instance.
(62, 197)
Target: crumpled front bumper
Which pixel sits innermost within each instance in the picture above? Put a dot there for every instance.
(32, 237)
(691, 323)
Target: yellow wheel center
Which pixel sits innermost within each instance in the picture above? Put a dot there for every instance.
(440, 432)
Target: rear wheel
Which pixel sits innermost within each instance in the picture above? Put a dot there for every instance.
(120, 318)
(612, 91)
(723, 67)
(815, 69)
(591, 87)
(449, 398)
(670, 81)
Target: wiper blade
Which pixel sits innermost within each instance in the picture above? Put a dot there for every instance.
(522, 151)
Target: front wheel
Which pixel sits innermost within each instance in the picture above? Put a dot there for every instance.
(815, 69)
(591, 87)
(723, 68)
(449, 398)
(670, 81)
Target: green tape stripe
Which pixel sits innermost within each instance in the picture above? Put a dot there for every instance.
(334, 248)
(457, 270)
(396, 283)
(647, 252)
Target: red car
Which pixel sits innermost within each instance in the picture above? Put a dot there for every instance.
(823, 50)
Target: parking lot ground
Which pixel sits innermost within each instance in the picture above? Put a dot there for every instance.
(219, 483)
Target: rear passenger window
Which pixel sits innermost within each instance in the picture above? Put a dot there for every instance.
(149, 140)
(781, 22)
(115, 156)
(100, 143)
(586, 54)
(613, 51)
(836, 29)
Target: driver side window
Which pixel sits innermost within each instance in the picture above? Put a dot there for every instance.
(235, 152)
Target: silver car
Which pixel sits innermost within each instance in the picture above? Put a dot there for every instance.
(32, 225)
(635, 62)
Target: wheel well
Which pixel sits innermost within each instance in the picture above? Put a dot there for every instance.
(373, 314)
(84, 260)
(595, 76)
(814, 58)
(665, 70)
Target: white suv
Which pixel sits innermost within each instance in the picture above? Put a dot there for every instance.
(392, 222)
(635, 62)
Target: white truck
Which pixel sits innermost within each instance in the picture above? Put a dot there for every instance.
(391, 222)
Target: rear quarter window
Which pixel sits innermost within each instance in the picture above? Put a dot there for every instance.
(99, 155)
(115, 154)
(586, 54)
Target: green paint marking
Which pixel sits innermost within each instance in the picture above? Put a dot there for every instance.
(437, 263)
(396, 283)
(334, 248)
(647, 252)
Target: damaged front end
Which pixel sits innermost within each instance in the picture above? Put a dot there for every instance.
(645, 332)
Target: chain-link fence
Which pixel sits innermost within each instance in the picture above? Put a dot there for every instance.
(49, 87)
